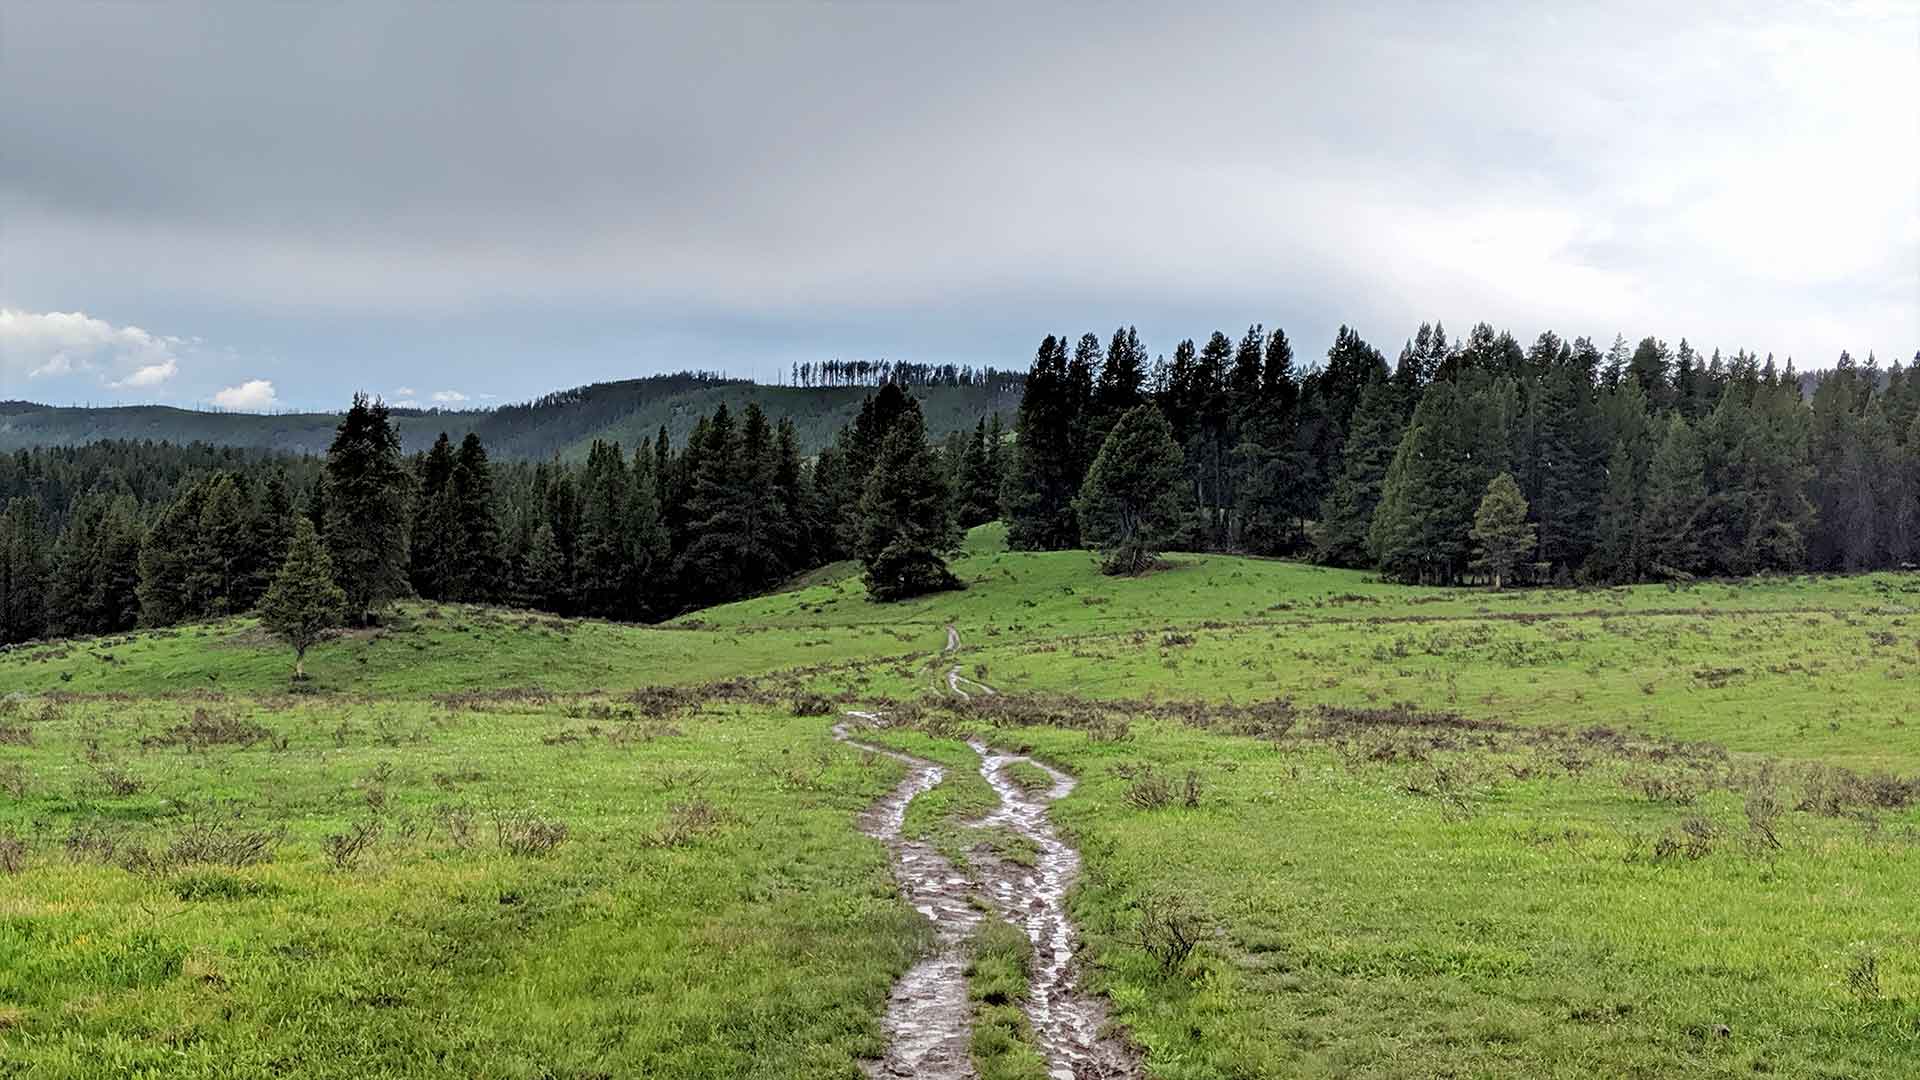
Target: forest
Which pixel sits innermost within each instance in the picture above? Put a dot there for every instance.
(1633, 464)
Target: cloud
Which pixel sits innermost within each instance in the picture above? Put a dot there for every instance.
(405, 392)
(60, 344)
(254, 395)
(726, 173)
(449, 397)
(406, 403)
(150, 374)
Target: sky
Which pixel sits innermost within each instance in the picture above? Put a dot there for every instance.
(270, 206)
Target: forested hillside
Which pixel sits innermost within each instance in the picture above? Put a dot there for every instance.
(1635, 463)
(1477, 460)
(565, 422)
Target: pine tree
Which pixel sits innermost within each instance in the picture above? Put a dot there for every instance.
(1618, 553)
(169, 558)
(1675, 494)
(1132, 505)
(367, 510)
(1502, 538)
(222, 569)
(978, 490)
(1419, 530)
(76, 566)
(476, 563)
(1649, 370)
(1347, 517)
(23, 572)
(906, 523)
(115, 599)
(713, 565)
(435, 530)
(1121, 384)
(1041, 482)
(600, 552)
(303, 602)
(647, 543)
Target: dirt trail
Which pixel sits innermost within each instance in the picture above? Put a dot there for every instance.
(928, 1023)
(954, 678)
(1069, 1024)
(928, 1019)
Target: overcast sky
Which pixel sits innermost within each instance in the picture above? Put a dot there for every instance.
(271, 205)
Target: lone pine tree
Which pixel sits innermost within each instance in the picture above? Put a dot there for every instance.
(303, 602)
(906, 525)
(1133, 503)
(367, 495)
(1501, 536)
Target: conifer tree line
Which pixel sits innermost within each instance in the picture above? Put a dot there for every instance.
(1633, 463)
(877, 373)
(112, 536)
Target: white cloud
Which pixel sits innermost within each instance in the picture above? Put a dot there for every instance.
(254, 395)
(407, 403)
(448, 396)
(150, 374)
(59, 344)
(405, 392)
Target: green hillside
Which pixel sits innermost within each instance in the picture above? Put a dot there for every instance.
(565, 422)
(1408, 832)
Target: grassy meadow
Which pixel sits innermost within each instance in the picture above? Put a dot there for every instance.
(1330, 827)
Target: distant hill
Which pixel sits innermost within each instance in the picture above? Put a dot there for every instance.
(564, 423)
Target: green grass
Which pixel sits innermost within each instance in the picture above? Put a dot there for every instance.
(760, 944)
(1512, 893)
(1003, 1046)
(1550, 926)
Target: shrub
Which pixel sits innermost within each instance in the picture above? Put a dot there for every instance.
(204, 842)
(812, 705)
(346, 848)
(1149, 791)
(1863, 978)
(1168, 929)
(13, 853)
(207, 729)
(524, 834)
(687, 821)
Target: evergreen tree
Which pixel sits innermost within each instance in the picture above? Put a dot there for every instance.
(367, 510)
(1041, 482)
(1347, 518)
(1675, 494)
(435, 529)
(1419, 530)
(648, 543)
(222, 568)
(978, 490)
(23, 572)
(1618, 554)
(1502, 538)
(476, 564)
(906, 524)
(76, 566)
(712, 567)
(1121, 383)
(1649, 370)
(1132, 505)
(303, 602)
(601, 563)
(169, 559)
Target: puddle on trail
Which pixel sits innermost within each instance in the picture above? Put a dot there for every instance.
(928, 1020)
(1067, 1023)
(929, 1023)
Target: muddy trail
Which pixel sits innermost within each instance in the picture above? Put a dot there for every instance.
(929, 1020)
